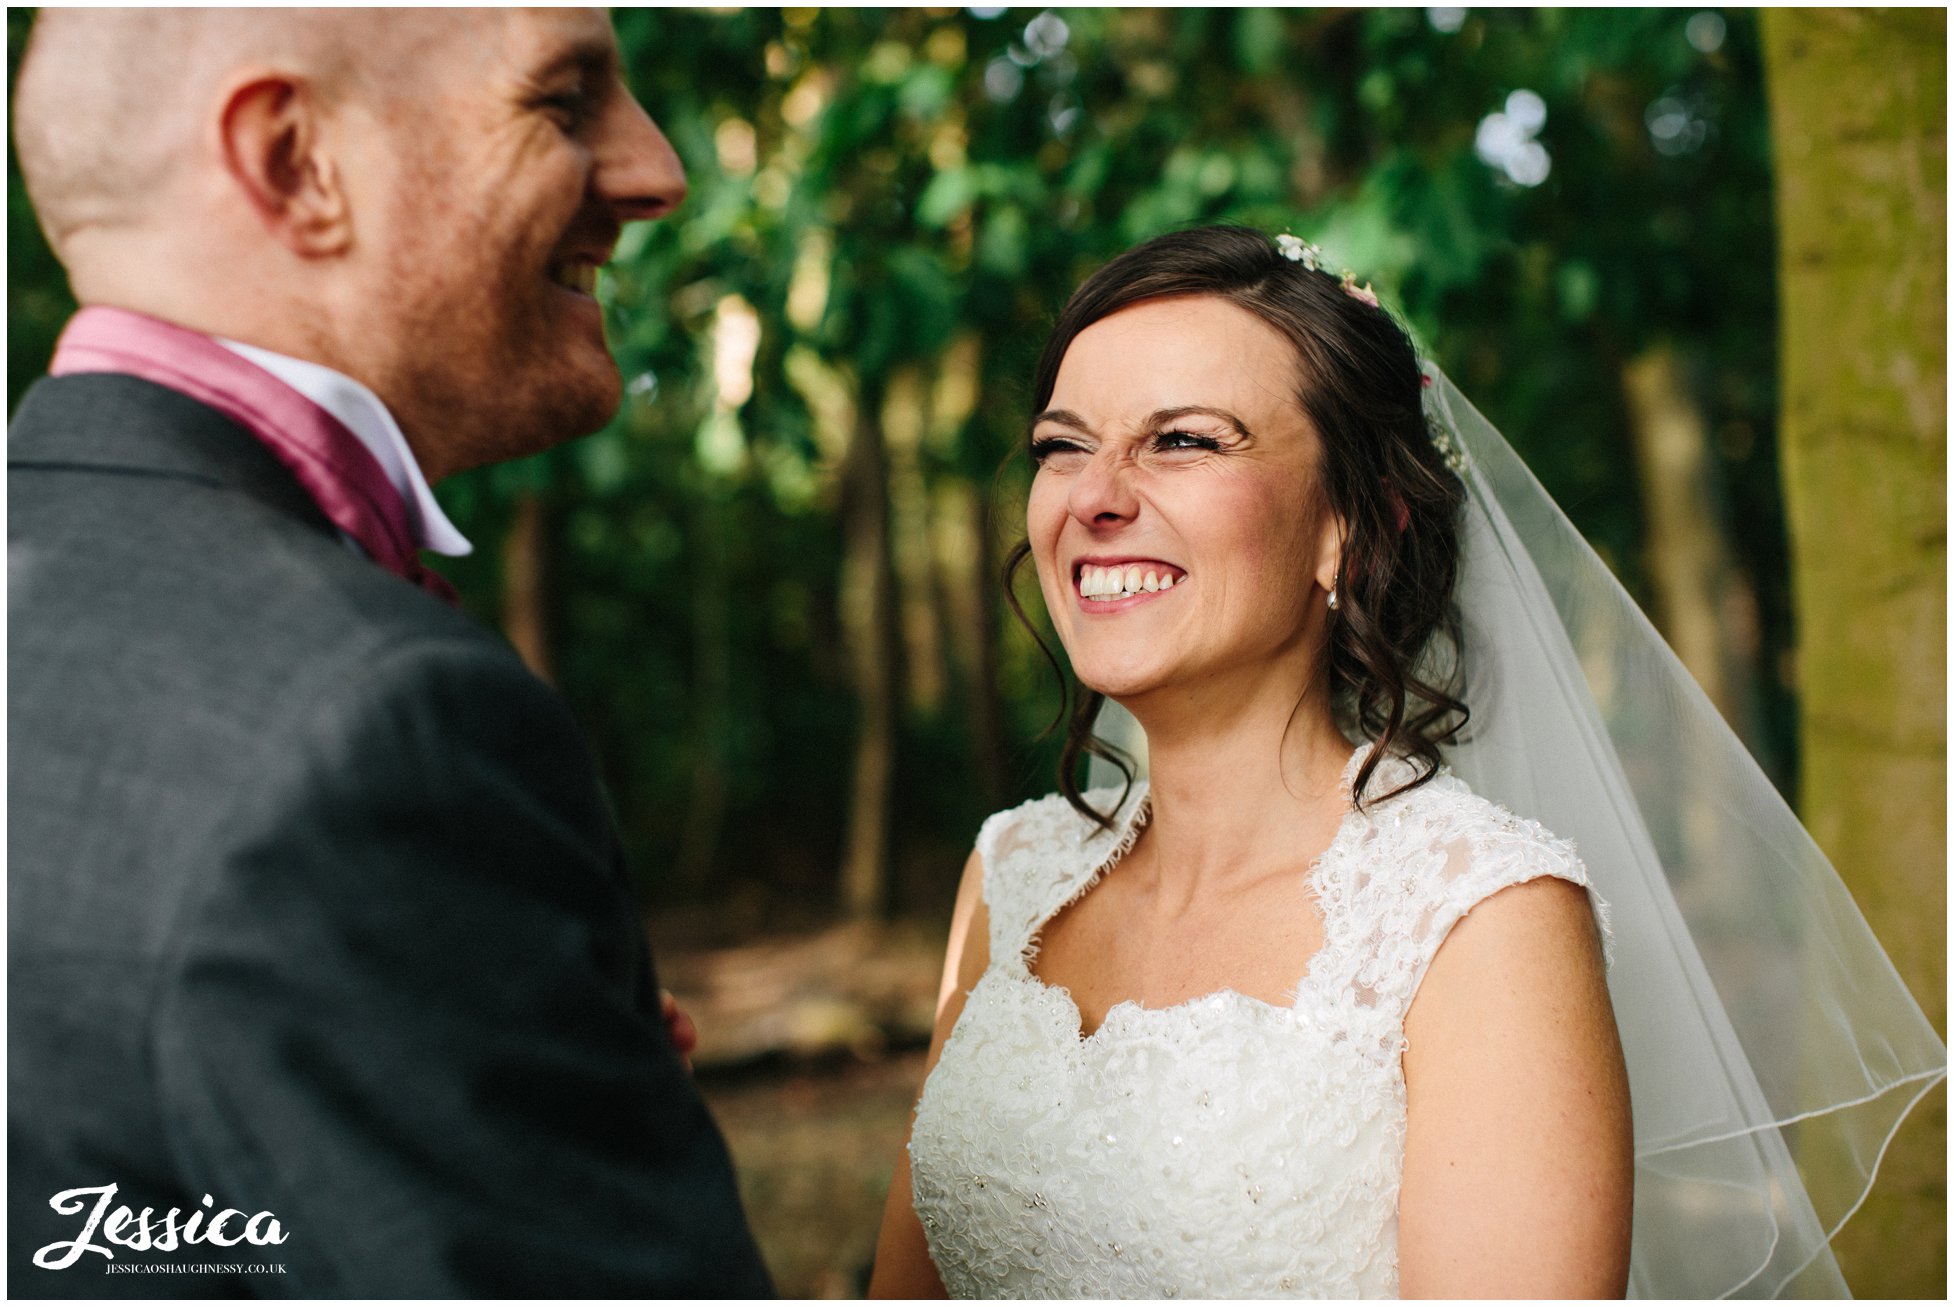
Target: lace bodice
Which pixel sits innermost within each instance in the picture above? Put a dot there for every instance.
(1221, 1147)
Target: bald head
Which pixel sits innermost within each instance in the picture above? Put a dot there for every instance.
(109, 103)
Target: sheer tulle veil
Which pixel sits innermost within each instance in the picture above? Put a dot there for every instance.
(1772, 1049)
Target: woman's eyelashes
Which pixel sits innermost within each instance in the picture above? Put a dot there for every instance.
(1179, 440)
(1045, 449)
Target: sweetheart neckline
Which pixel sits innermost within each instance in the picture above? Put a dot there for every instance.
(1142, 813)
(1226, 995)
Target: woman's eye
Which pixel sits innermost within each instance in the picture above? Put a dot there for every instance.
(1177, 440)
(1057, 448)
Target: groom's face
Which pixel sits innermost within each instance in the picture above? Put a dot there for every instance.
(503, 182)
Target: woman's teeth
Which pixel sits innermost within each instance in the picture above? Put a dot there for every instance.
(1122, 582)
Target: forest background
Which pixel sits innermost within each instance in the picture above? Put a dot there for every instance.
(1692, 262)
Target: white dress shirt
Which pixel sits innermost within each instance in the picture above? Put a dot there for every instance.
(360, 411)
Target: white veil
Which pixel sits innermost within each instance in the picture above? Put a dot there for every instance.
(1765, 1030)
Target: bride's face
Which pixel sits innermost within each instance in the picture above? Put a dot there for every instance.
(1175, 517)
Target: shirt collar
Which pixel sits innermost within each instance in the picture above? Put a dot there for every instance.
(363, 414)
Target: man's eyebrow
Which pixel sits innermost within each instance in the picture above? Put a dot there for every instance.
(590, 55)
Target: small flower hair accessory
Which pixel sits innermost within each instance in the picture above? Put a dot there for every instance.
(1356, 292)
(1298, 250)
(1437, 429)
(1446, 444)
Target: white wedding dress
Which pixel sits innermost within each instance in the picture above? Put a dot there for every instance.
(1222, 1147)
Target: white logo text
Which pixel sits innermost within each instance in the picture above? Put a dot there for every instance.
(124, 1227)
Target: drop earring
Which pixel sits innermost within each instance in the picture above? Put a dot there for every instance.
(1333, 599)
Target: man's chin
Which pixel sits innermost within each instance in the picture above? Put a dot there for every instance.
(601, 398)
(580, 394)
(548, 417)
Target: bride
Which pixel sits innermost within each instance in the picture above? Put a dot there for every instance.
(1297, 1017)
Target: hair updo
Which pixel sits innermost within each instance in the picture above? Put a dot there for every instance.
(1394, 640)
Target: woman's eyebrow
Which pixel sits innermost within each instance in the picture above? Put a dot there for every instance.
(1158, 418)
(1064, 417)
(1165, 416)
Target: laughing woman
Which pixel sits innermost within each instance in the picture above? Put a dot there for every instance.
(1301, 1015)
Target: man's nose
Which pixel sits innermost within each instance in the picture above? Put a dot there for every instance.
(1102, 493)
(638, 172)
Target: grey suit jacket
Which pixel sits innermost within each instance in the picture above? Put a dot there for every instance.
(314, 907)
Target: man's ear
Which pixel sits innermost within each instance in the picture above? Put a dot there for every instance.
(270, 136)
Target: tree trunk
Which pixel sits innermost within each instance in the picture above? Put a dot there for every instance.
(1858, 116)
(986, 705)
(967, 566)
(1697, 590)
(869, 619)
(712, 693)
(525, 585)
(905, 416)
(967, 577)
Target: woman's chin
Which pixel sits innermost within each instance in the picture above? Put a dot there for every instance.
(1120, 683)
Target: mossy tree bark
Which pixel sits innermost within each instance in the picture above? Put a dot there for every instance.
(1858, 116)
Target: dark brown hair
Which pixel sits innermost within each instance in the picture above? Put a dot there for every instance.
(1394, 638)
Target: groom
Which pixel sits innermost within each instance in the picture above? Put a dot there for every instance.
(324, 975)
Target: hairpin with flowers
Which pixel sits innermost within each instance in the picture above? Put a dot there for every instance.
(1298, 250)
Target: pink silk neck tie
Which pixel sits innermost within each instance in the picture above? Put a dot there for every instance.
(343, 477)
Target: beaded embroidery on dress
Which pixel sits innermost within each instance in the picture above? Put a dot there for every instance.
(1223, 1147)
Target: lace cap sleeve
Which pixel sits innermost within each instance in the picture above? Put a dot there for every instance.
(1436, 858)
(1491, 853)
(1037, 855)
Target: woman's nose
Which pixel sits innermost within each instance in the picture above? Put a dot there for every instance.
(1102, 495)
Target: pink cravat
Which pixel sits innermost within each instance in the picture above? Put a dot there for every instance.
(339, 472)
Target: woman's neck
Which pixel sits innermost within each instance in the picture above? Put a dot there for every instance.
(1242, 788)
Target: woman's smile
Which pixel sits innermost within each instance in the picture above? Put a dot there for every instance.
(1115, 585)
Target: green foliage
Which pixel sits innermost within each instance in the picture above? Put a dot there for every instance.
(907, 193)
